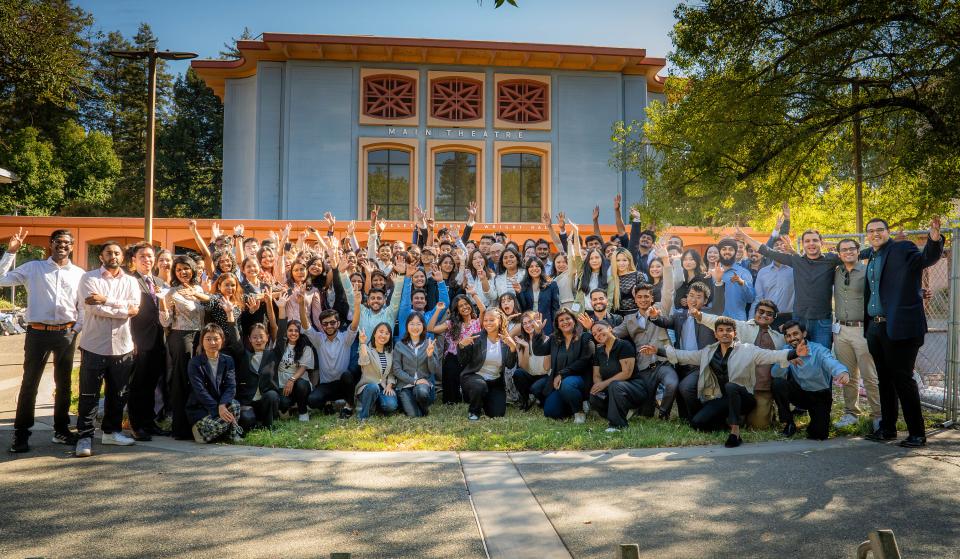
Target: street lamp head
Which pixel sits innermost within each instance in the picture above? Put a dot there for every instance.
(169, 55)
(165, 54)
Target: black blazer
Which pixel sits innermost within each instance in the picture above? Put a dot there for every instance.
(209, 390)
(145, 326)
(248, 380)
(579, 359)
(900, 292)
(547, 305)
(471, 357)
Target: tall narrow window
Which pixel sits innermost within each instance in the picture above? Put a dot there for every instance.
(521, 187)
(455, 184)
(388, 182)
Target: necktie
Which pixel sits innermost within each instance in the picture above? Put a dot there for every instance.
(764, 380)
(151, 289)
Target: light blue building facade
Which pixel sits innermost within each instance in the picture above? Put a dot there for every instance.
(328, 123)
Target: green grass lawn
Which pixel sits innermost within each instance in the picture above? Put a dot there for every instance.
(447, 428)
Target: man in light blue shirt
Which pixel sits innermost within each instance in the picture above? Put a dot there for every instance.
(806, 384)
(737, 281)
(775, 282)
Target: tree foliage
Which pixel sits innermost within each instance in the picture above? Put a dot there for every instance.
(765, 109)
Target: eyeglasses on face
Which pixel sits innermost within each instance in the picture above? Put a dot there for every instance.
(849, 249)
(329, 323)
(876, 230)
(766, 312)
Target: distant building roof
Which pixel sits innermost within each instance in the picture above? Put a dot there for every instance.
(7, 177)
(363, 48)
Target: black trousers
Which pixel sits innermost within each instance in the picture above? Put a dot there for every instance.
(179, 350)
(113, 371)
(298, 396)
(895, 360)
(450, 379)
(340, 389)
(688, 402)
(484, 396)
(524, 382)
(730, 409)
(260, 412)
(619, 398)
(38, 346)
(819, 402)
(662, 373)
(149, 367)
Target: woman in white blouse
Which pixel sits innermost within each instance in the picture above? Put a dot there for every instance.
(181, 310)
(509, 274)
(484, 358)
(474, 273)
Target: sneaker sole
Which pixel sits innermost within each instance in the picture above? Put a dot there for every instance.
(84, 454)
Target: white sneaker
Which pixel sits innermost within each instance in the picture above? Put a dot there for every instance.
(304, 417)
(876, 424)
(473, 417)
(611, 430)
(84, 447)
(846, 420)
(586, 406)
(117, 438)
(630, 413)
(579, 418)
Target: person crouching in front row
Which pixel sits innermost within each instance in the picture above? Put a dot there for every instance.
(727, 376)
(211, 408)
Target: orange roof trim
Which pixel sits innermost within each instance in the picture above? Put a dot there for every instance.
(280, 47)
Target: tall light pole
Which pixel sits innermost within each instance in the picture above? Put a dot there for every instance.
(151, 56)
(857, 157)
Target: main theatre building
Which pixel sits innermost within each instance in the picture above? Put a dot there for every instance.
(342, 123)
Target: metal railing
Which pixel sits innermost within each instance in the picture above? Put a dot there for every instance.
(938, 362)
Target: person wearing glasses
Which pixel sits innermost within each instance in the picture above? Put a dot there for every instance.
(54, 317)
(849, 344)
(760, 332)
(335, 380)
(895, 323)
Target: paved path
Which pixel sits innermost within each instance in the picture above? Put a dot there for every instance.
(179, 499)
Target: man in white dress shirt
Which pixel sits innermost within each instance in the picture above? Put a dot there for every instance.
(54, 317)
(110, 298)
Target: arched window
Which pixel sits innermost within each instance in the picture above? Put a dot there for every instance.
(454, 184)
(388, 180)
(521, 187)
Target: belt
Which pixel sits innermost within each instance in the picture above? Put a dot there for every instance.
(878, 319)
(851, 322)
(51, 327)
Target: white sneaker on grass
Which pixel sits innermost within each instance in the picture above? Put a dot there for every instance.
(579, 418)
(117, 438)
(84, 448)
(304, 417)
(846, 420)
(586, 406)
(611, 430)
(473, 417)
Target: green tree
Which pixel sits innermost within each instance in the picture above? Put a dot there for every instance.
(43, 72)
(230, 50)
(40, 190)
(765, 108)
(190, 152)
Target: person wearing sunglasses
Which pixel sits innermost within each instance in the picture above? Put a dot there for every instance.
(849, 343)
(335, 381)
(760, 332)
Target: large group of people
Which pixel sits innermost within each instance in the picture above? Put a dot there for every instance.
(246, 332)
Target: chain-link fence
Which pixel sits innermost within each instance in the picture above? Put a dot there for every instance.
(938, 363)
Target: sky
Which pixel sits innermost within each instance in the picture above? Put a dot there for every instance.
(202, 26)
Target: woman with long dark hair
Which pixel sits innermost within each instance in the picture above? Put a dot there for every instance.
(531, 366)
(538, 293)
(463, 321)
(296, 361)
(595, 275)
(484, 359)
(476, 275)
(376, 387)
(571, 357)
(509, 273)
(692, 266)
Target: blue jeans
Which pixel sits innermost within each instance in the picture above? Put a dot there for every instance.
(568, 400)
(819, 330)
(372, 397)
(415, 400)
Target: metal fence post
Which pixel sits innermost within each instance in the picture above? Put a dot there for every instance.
(952, 376)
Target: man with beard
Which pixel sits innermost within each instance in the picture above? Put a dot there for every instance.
(599, 311)
(150, 363)
(813, 274)
(760, 332)
(110, 298)
(54, 316)
(775, 283)
(333, 357)
(739, 290)
(805, 382)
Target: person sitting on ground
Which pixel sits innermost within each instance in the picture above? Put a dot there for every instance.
(727, 377)
(295, 363)
(531, 367)
(375, 390)
(571, 356)
(211, 408)
(415, 364)
(484, 358)
(617, 386)
(805, 382)
(335, 379)
(760, 332)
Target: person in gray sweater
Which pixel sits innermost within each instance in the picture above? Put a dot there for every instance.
(416, 362)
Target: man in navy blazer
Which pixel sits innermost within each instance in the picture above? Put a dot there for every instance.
(896, 324)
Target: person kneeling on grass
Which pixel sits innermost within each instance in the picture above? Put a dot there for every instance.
(415, 363)
(727, 376)
(484, 359)
(296, 358)
(211, 408)
(617, 386)
(805, 382)
(376, 387)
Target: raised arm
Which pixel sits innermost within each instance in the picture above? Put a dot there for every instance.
(618, 216)
(204, 250)
(596, 221)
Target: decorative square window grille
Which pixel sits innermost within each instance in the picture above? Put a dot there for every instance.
(456, 99)
(522, 101)
(389, 96)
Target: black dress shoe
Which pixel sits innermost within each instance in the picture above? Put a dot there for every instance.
(733, 441)
(880, 436)
(799, 412)
(20, 445)
(789, 430)
(158, 431)
(141, 435)
(914, 441)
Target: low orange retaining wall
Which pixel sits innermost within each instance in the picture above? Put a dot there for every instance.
(169, 232)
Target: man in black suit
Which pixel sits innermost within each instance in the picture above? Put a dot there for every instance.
(150, 354)
(896, 323)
